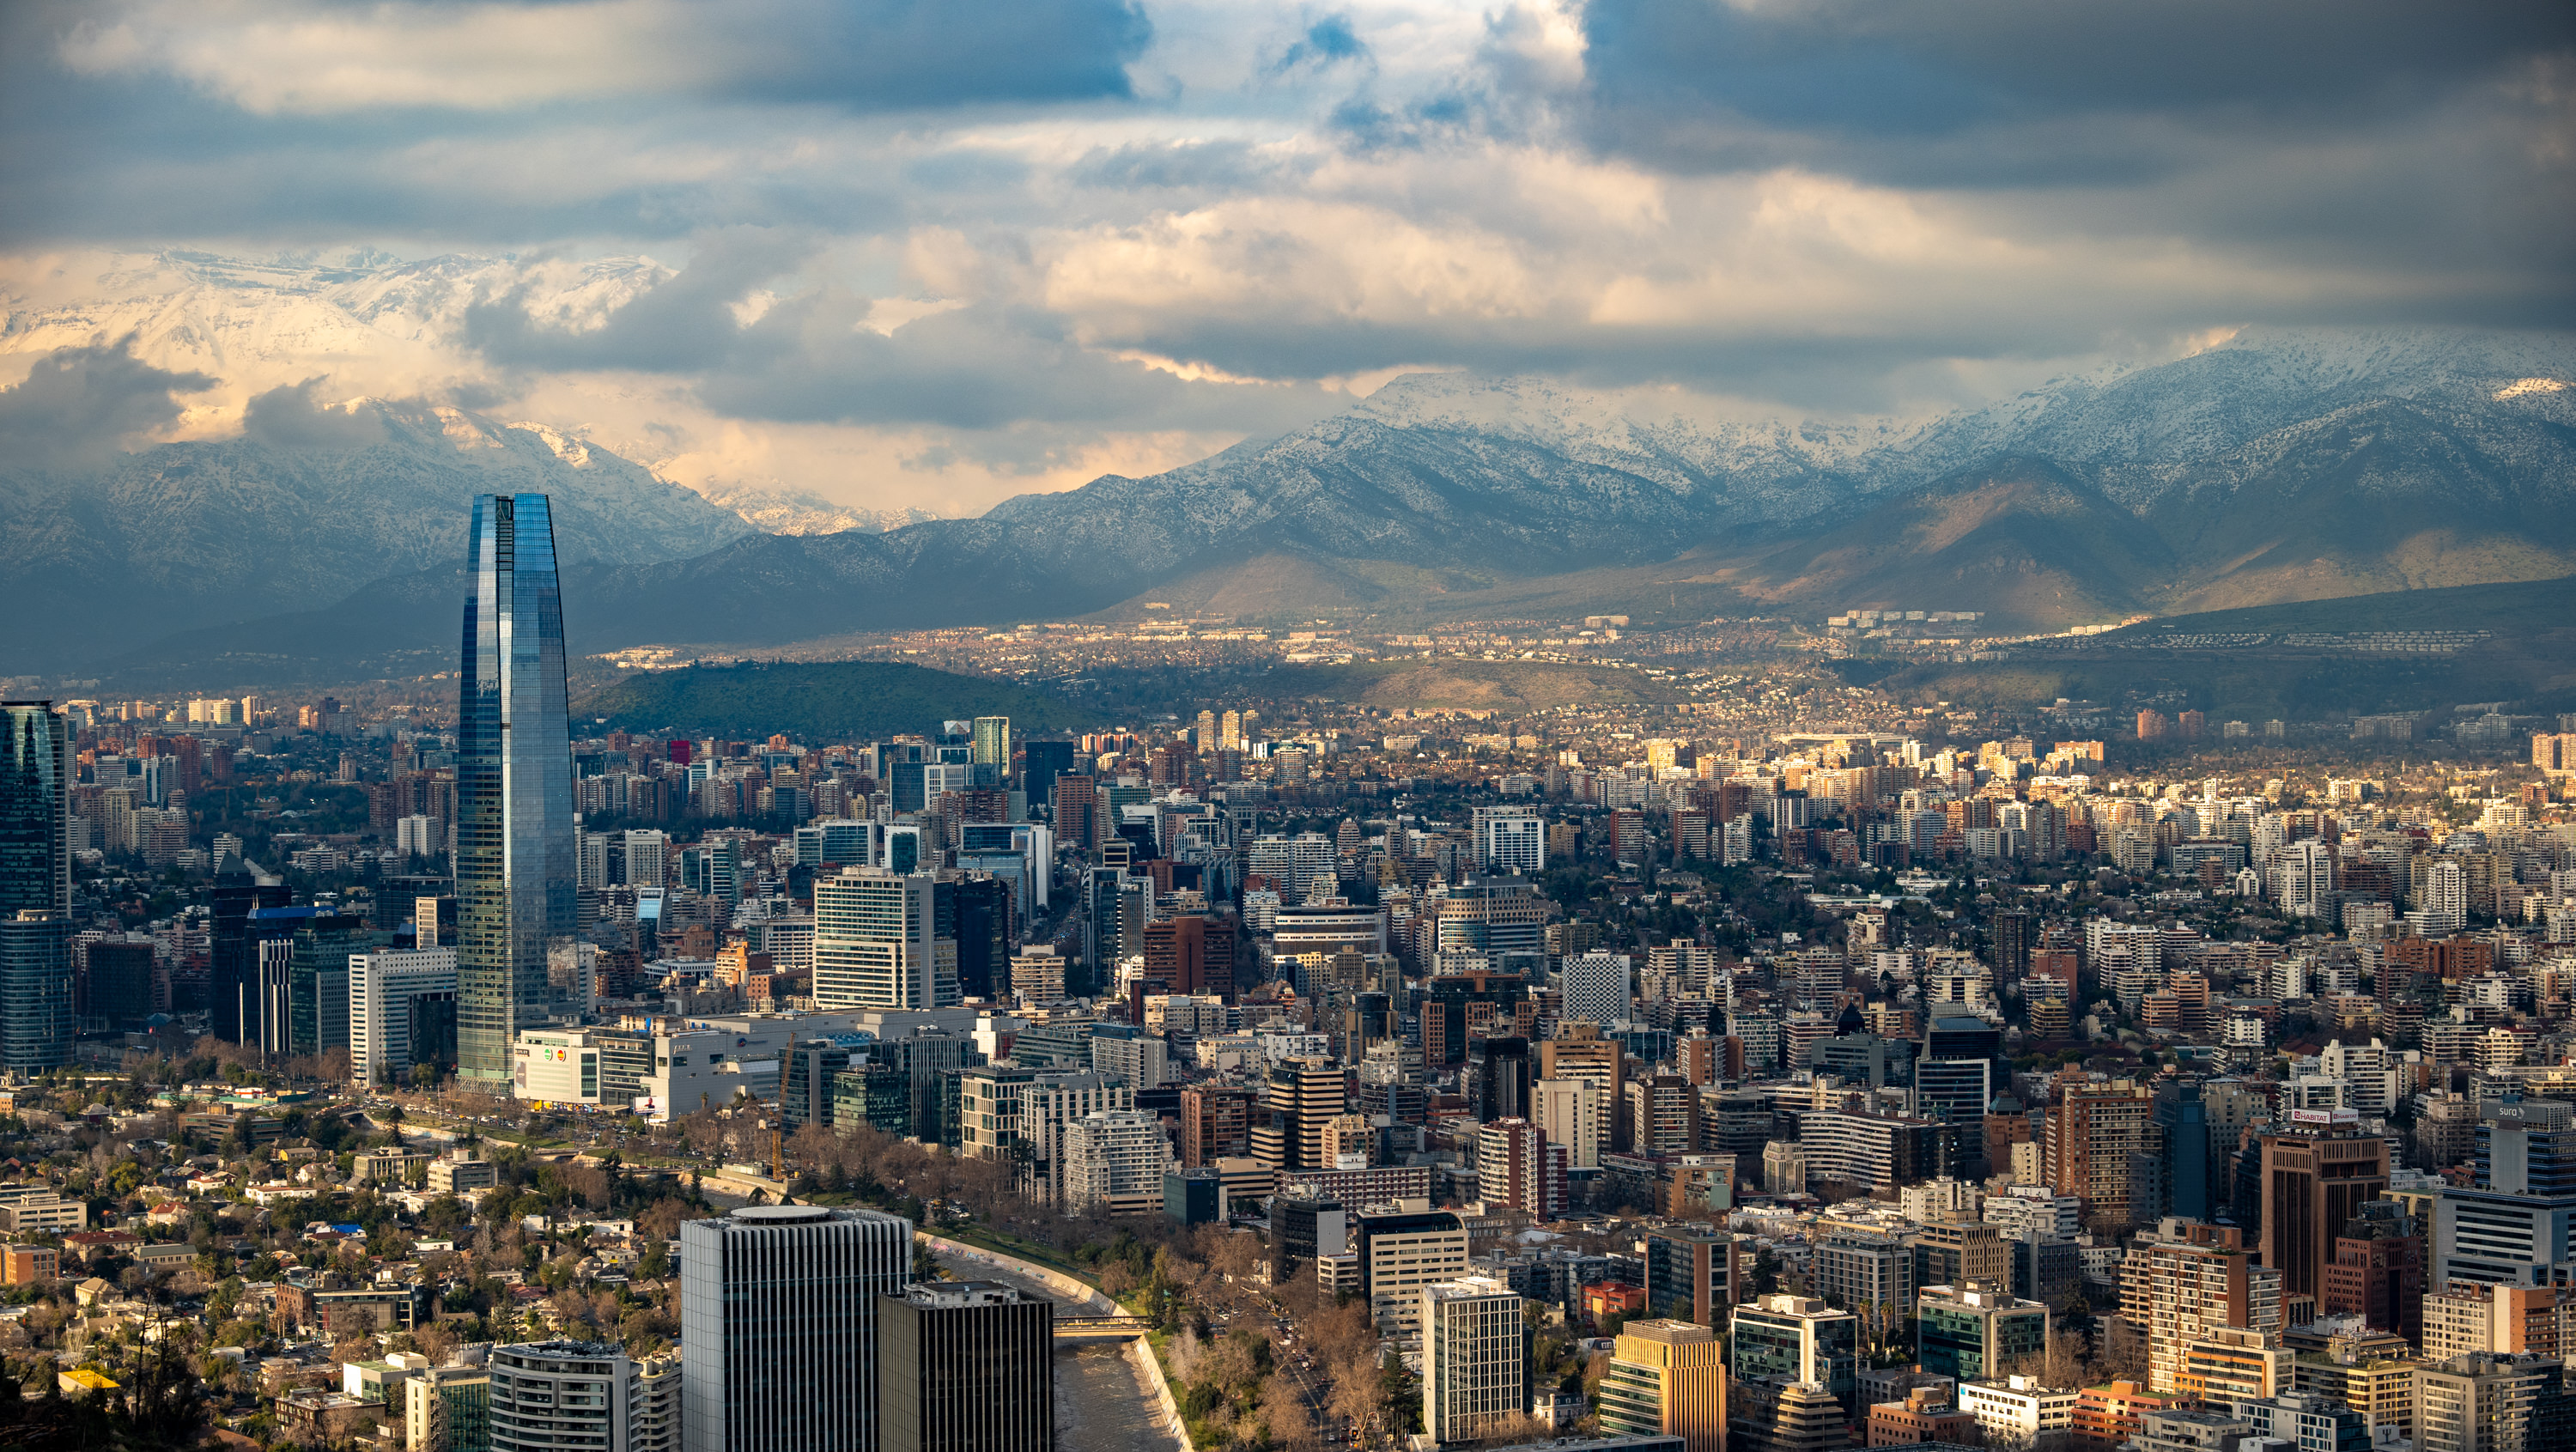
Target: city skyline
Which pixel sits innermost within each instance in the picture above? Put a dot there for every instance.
(1407, 726)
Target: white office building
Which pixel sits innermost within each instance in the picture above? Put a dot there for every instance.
(778, 1314)
(2017, 1410)
(2035, 1209)
(874, 945)
(393, 997)
(1510, 839)
(1596, 988)
(1294, 864)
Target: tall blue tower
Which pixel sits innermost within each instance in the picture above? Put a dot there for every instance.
(35, 886)
(515, 866)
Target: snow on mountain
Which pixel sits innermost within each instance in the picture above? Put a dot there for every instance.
(299, 514)
(2282, 443)
(371, 324)
(790, 511)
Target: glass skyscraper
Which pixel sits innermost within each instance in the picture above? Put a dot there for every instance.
(35, 886)
(515, 862)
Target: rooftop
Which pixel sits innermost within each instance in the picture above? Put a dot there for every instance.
(963, 1293)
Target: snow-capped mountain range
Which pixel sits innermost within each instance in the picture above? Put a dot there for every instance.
(2276, 464)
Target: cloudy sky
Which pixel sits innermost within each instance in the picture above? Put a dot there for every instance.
(917, 254)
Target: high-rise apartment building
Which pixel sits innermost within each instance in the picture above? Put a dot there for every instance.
(1953, 1253)
(546, 1396)
(35, 887)
(1872, 1272)
(1116, 1159)
(2183, 1279)
(1571, 1113)
(1302, 1098)
(1667, 1378)
(1596, 989)
(965, 1366)
(778, 1309)
(1694, 1275)
(1475, 1359)
(2090, 1137)
(1580, 1051)
(1663, 1114)
(516, 877)
(1518, 1167)
(1216, 1122)
(1876, 1149)
(2478, 1402)
(876, 943)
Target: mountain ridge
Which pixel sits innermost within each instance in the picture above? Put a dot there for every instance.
(2277, 464)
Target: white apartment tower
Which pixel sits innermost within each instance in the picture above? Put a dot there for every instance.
(549, 1395)
(1116, 1160)
(2303, 879)
(1510, 839)
(1596, 988)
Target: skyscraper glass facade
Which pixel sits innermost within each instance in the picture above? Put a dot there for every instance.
(515, 867)
(35, 809)
(35, 886)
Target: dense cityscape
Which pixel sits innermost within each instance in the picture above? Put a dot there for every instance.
(1760, 1061)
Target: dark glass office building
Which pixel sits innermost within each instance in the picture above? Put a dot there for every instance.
(968, 1366)
(35, 886)
(1042, 762)
(233, 988)
(515, 873)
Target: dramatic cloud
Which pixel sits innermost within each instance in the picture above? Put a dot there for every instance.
(904, 254)
(291, 417)
(319, 58)
(79, 405)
